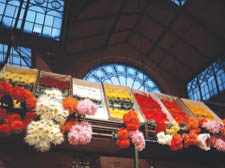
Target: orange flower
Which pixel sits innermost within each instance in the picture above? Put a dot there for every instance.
(68, 125)
(70, 104)
(28, 94)
(5, 87)
(17, 127)
(193, 123)
(12, 117)
(5, 130)
(123, 143)
(190, 140)
(201, 121)
(31, 102)
(185, 136)
(18, 93)
(122, 134)
(128, 115)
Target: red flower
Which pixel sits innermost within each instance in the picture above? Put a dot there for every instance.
(12, 117)
(2, 113)
(128, 115)
(68, 125)
(18, 93)
(123, 143)
(201, 121)
(5, 130)
(27, 121)
(5, 87)
(160, 126)
(31, 102)
(17, 127)
(122, 134)
(70, 104)
(30, 115)
(132, 127)
(28, 94)
(131, 120)
(191, 139)
(176, 143)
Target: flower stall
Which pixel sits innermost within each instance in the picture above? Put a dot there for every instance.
(92, 91)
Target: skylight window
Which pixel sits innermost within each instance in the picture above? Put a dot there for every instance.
(179, 2)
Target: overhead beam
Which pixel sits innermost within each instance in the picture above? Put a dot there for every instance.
(162, 35)
(179, 37)
(160, 67)
(88, 19)
(166, 52)
(115, 23)
(98, 34)
(138, 20)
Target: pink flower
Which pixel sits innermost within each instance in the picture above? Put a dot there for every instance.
(214, 127)
(80, 133)
(138, 140)
(86, 107)
(202, 141)
(220, 145)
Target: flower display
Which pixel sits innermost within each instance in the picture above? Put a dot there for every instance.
(120, 102)
(50, 82)
(41, 134)
(17, 127)
(5, 88)
(70, 104)
(160, 126)
(131, 120)
(214, 127)
(176, 143)
(218, 143)
(190, 139)
(123, 143)
(68, 125)
(27, 79)
(80, 133)
(201, 121)
(202, 141)
(2, 113)
(200, 111)
(150, 108)
(174, 129)
(138, 140)
(164, 139)
(123, 134)
(95, 95)
(176, 112)
(193, 125)
(49, 106)
(86, 107)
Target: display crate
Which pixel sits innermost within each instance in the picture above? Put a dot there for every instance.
(201, 104)
(178, 102)
(19, 70)
(99, 100)
(170, 118)
(120, 88)
(48, 80)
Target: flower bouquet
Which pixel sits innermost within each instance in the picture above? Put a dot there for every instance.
(92, 91)
(22, 77)
(48, 80)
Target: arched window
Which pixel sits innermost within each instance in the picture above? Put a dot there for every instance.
(122, 75)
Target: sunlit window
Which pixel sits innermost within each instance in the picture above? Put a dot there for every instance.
(121, 74)
(43, 17)
(179, 2)
(20, 57)
(208, 83)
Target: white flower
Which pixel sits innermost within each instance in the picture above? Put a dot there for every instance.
(164, 139)
(87, 92)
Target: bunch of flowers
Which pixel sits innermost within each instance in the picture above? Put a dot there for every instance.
(214, 127)
(49, 106)
(68, 125)
(132, 123)
(27, 79)
(41, 134)
(123, 138)
(174, 129)
(164, 139)
(70, 104)
(80, 133)
(193, 125)
(86, 107)
(13, 123)
(200, 112)
(201, 121)
(177, 113)
(151, 109)
(20, 94)
(176, 143)
(120, 102)
(190, 139)
(218, 143)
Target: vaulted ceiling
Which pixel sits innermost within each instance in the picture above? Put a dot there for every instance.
(180, 40)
